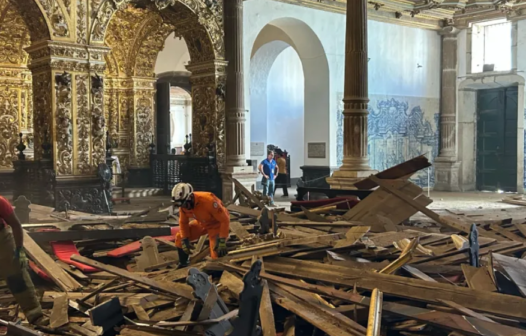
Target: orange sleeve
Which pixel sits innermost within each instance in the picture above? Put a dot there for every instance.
(222, 215)
(184, 226)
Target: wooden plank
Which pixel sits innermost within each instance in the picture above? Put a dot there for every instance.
(402, 170)
(46, 263)
(266, 315)
(117, 234)
(313, 316)
(451, 223)
(464, 324)
(247, 193)
(170, 288)
(478, 278)
(141, 313)
(239, 230)
(381, 208)
(244, 210)
(466, 311)
(234, 284)
(78, 330)
(506, 233)
(398, 286)
(59, 313)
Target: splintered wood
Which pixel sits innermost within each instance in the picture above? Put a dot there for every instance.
(387, 265)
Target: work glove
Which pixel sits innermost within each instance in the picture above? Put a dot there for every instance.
(20, 257)
(221, 248)
(187, 246)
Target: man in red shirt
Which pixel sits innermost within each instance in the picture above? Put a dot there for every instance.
(13, 263)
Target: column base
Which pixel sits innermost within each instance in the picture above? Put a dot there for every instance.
(244, 174)
(446, 175)
(345, 179)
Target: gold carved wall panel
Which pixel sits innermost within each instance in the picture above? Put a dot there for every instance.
(10, 103)
(63, 125)
(208, 108)
(16, 112)
(98, 121)
(82, 126)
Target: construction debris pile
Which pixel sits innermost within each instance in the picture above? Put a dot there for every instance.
(341, 268)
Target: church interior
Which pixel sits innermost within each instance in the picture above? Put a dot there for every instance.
(336, 167)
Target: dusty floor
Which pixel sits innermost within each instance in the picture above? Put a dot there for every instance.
(441, 200)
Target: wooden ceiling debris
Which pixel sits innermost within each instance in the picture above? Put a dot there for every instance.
(384, 265)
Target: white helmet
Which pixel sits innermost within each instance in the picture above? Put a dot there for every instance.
(180, 193)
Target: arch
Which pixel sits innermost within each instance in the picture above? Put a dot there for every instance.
(34, 17)
(271, 41)
(203, 22)
(467, 119)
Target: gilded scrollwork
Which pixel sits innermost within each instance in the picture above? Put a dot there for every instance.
(33, 17)
(143, 130)
(82, 18)
(83, 159)
(41, 109)
(98, 121)
(57, 17)
(63, 136)
(9, 114)
(14, 36)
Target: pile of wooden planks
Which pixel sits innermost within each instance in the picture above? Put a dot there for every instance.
(369, 270)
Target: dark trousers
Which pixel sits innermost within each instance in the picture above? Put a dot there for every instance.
(281, 182)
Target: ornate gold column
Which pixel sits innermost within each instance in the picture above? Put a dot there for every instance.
(69, 105)
(356, 97)
(141, 128)
(446, 164)
(119, 108)
(208, 108)
(235, 102)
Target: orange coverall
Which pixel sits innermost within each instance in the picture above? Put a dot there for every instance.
(209, 216)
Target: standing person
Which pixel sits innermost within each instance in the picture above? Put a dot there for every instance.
(281, 180)
(267, 168)
(209, 216)
(13, 263)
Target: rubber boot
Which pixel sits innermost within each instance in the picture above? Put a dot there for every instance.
(183, 259)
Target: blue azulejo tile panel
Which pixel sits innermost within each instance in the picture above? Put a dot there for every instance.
(399, 128)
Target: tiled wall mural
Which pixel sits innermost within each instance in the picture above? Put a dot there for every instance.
(400, 128)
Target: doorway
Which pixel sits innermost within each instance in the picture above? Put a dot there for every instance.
(497, 139)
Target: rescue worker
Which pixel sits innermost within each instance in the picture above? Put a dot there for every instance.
(200, 213)
(13, 264)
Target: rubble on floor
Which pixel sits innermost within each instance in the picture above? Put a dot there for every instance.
(360, 269)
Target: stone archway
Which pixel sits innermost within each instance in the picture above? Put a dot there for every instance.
(21, 24)
(136, 35)
(272, 40)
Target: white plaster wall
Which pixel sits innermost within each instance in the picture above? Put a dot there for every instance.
(174, 56)
(405, 62)
(285, 107)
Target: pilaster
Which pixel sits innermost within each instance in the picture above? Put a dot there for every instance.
(446, 164)
(236, 165)
(69, 105)
(208, 108)
(356, 97)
